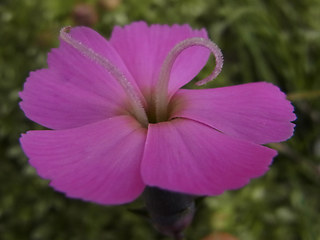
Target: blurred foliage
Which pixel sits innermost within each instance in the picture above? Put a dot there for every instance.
(276, 41)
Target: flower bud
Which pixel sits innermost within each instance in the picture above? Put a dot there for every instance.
(170, 212)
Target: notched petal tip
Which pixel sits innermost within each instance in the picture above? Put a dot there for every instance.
(257, 112)
(87, 170)
(207, 169)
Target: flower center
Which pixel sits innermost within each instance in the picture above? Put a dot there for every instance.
(157, 109)
(151, 112)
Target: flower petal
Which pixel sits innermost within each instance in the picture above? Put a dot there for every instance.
(186, 156)
(144, 49)
(257, 112)
(67, 56)
(65, 104)
(70, 71)
(98, 162)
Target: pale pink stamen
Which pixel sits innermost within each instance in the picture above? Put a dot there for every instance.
(135, 101)
(161, 97)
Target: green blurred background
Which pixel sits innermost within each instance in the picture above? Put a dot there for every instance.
(276, 41)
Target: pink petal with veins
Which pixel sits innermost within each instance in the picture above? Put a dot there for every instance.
(144, 48)
(189, 157)
(99, 162)
(64, 105)
(257, 112)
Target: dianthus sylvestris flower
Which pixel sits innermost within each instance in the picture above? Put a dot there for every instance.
(120, 120)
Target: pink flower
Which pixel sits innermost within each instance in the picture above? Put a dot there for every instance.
(120, 121)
